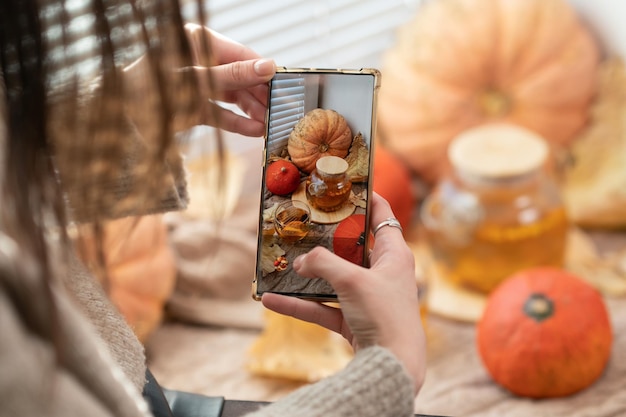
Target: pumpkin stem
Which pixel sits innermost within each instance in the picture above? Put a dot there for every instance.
(494, 103)
(323, 147)
(539, 307)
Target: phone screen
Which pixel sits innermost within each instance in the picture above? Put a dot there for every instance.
(316, 183)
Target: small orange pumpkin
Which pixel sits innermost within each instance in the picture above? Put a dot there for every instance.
(392, 180)
(321, 132)
(282, 177)
(461, 63)
(545, 333)
(141, 269)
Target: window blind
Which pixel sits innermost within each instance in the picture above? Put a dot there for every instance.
(311, 33)
(287, 98)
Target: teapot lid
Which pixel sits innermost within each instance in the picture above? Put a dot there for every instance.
(497, 151)
(331, 165)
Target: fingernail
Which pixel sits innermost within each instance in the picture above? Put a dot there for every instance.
(265, 67)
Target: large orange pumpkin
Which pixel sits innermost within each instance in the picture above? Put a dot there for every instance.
(141, 269)
(545, 333)
(461, 63)
(321, 132)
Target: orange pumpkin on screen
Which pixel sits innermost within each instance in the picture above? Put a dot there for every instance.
(282, 177)
(544, 333)
(321, 132)
(349, 239)
(461, 63)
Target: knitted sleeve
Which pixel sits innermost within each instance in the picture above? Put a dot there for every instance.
(373, 384)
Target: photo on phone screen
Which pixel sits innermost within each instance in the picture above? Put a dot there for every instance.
(316, 176)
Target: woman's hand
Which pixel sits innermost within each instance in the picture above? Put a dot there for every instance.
(379, 305)
(225, 70)
(238, 75)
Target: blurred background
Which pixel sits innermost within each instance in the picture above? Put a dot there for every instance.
(351, 33)
(301, 33)
(208, 336)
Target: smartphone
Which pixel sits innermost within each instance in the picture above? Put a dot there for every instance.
(317, 175)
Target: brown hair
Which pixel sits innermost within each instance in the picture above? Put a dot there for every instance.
(83, 143)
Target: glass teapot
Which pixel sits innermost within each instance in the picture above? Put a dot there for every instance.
(328, 187)
(498, 212)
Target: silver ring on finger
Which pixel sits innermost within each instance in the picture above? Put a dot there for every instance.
(391, 222)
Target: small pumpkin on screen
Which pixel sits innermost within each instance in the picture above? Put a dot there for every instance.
(349, 239)
(545, 333)
(282, 177)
